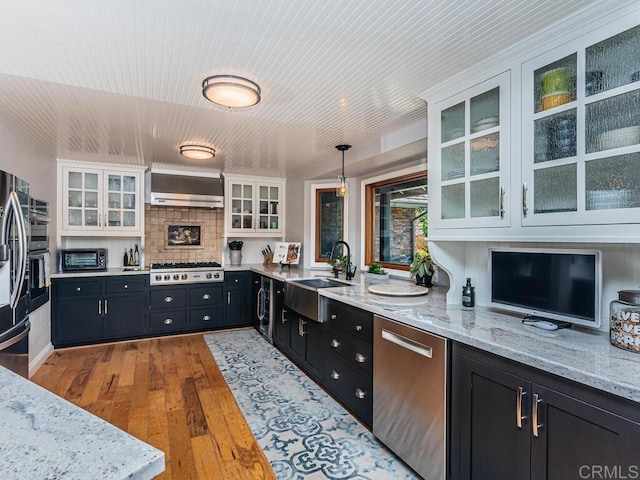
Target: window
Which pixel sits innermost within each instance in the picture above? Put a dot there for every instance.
(396, 214)
(329, 222)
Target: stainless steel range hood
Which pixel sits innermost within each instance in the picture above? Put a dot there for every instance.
(186, 190)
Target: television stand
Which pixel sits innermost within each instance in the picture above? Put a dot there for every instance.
(533, 319)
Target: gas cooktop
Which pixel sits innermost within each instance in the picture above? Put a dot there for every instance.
(166, 266)
(178, 273)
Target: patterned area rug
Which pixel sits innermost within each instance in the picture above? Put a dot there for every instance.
(304, 433)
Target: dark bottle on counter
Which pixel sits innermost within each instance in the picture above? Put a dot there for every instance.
(125, 260)
(468, 294)
(136, 256)
(131, 257)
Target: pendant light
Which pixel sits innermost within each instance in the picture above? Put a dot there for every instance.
(341, 189)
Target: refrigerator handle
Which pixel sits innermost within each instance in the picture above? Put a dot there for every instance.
(14, 210)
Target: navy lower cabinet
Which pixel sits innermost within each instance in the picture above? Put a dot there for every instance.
(509, 420)
(92, 310)
(237, 286)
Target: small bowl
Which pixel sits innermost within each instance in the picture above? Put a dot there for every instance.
(555, 100)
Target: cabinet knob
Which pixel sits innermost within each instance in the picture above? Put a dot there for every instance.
(335, 375)
(235, 280)
(206, 318)
(206, 296)
(126, 286)
(168, 321)
(335, 343)
(333, 316)
(358, 328)
(77, 289)
(168, 299)
(359, 358)
(359, 393)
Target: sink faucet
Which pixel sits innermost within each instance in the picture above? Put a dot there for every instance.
(349, 273)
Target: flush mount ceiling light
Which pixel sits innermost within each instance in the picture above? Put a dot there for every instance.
(341, 188)
(231, 91)
(197, 152)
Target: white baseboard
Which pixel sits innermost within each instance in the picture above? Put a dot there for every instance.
(39, 360)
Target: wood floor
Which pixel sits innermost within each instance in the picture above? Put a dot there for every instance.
(167, 392)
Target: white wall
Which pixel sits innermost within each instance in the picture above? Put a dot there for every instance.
(620, 268)
(22, 157)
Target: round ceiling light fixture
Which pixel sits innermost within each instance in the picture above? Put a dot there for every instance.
(197, 152)
(231, 91)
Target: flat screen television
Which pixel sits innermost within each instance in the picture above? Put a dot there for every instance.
(554, 284)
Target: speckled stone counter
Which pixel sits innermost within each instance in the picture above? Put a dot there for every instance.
(46, 437)
(580, 354)
(101, 273)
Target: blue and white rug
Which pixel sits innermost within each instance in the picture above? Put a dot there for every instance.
(304, 432)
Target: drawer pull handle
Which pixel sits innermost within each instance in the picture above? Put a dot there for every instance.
(333, 316)
(168, 321)
(359, 393)
(358, 328)
(77, 289)
(519, 417)
(335, 375)
(359, 358)
(206, 296)
(126, 286)
(206, 318)
(168, 299)
(535, 425)
(335, 343)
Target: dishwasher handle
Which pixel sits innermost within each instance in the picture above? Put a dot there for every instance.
(407, 343)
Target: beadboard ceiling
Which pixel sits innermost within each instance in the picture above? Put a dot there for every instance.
(120, 81)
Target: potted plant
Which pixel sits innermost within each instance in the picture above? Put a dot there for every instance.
(421, 268)
(376, 273)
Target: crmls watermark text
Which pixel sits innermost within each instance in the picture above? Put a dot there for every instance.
(613, 472)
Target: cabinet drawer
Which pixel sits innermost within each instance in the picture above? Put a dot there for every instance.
(169, 321)
(353, 389)
(76, 288)
(236, 279)
(125, 285)
(208, 295)
(352, 320)
(356, 353)
(205, 318)
(168, 298)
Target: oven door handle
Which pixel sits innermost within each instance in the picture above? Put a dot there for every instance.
(10, 338)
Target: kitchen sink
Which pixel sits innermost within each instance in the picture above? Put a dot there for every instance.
(301, 295)
(321, 282)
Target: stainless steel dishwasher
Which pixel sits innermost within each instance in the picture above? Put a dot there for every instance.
(409, 395)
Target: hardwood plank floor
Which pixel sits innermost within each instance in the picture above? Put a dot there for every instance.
(168, 392)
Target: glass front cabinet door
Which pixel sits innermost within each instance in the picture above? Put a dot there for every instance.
(581, 133)
(253, 206)
(100, 200)
(468, 179)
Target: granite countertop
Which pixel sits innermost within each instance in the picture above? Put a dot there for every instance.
(47, 437)
(580, 354)
(101, 273)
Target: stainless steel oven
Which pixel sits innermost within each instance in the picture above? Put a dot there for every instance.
(38, 252)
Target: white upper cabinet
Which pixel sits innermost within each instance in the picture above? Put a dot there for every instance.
(581, 132)
(100, 201)
(469, 158)
(254, 206)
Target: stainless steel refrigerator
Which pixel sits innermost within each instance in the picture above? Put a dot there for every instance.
(14, 274)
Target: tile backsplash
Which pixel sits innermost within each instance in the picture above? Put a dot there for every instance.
(156, 221)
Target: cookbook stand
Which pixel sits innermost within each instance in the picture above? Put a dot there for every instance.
(285, 265)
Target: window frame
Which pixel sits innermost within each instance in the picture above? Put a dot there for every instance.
(368, 190)
(317, 193)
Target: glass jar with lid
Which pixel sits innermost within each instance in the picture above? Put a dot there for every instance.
(625, 320)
